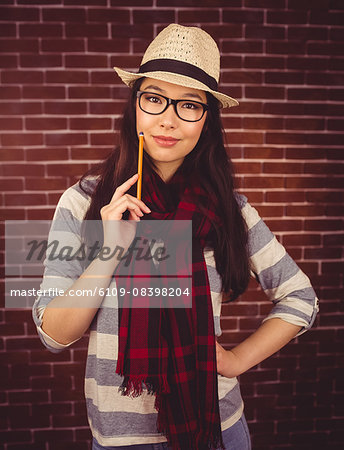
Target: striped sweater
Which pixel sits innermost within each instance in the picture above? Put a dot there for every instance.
(118, 420)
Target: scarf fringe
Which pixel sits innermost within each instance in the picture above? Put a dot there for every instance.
(133, 385)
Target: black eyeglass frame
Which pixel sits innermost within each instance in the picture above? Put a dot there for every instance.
(170, 101)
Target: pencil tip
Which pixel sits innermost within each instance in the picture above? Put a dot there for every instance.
(140, 133)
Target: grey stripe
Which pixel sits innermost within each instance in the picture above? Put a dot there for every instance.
(116, 423)
(258, 237)
(122, 424)
(307, 295)
(215, 282)
(282, 309)
(88, 184)
(279, 273)
(103, 371)
(106, 321)
(65, 221)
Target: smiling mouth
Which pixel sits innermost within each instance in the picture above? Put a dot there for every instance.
(165, 141)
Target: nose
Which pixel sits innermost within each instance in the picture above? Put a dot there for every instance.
(169, 118)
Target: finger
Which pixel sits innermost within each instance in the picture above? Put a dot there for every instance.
(123, 188)
(119, 207)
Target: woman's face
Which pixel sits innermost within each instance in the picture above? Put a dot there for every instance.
(167, 138)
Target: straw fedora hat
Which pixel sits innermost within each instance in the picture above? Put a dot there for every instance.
(187, 56)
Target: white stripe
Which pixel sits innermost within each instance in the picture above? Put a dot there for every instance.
(105, 346)
(71, 199)
(108, 399)
(290, 318)
(267, 256)
(250, 216)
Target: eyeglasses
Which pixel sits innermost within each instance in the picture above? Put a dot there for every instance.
(155, 104)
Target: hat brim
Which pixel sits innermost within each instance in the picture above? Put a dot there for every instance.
(129, 78)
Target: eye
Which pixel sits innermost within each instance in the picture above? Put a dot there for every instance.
(152, 98)
(191, 105)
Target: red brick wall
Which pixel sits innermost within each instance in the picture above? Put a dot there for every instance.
(59, 104)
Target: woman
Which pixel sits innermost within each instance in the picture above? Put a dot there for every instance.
(187, 175)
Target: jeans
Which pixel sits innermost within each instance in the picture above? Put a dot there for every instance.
(236, 437)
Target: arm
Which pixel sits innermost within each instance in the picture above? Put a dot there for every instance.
(270, 337)
(289, 289)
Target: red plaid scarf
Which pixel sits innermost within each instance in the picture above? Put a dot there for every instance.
(172, 350)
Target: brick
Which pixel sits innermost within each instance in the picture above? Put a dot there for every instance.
(21, 77)
(287, 17)
(88, 2)
(132, 3)
(46, 184)
(46, 123)
(20, 108)
(242, 77)
(132, 31)
(11, 184)
(18, 45)
(18, 14)
(284, 77)
(333, 239)
(90, 124)
(86, 61)
(304, 182)
(106, 107)
(305, 210)
(264, 62)
(40, 30)
(104, 139)
(202, 15)
(7, 92)
(89, 92)
(305, 4)
(282, 47)
(301, 239)
(62, 45)
(325, 48)
(308, 33)
(264, 32)
(43, 92)
(86, 30)
(204, 3)
(307, 94)
(263, 153)
(247, 167)
(247, 46)
(243, 16)
(224, 31)
(263, 182)
(100, 77)
(67, 76)
(8, 61)
(108, 15)
(262, 123)
(39, 60)
(67, 169)
(87, 153)
(108, 45)
(326, 18)
(323, 253)
(323, 225)
(63, 15)
(41, 214)
(265, 4)
(10, 124)
(8, 30)
(27, 139)
(46, 154)
(153, 16)
(309, 63)
(58, 139)
(320, 168)
(67, 107)
(305, 124)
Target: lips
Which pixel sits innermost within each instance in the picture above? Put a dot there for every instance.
(165, 141)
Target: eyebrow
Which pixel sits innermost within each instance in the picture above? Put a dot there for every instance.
(186, 94)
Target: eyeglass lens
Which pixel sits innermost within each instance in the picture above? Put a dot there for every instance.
(186, 109)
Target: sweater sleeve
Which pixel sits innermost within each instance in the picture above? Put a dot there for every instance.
(285, 284)
(60, 272)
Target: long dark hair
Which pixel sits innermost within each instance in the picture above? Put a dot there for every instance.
(210, 161)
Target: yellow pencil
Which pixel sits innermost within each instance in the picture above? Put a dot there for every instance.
(139, 169)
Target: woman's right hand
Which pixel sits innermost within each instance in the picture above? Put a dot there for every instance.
(117, 231)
